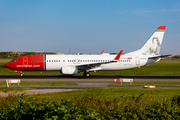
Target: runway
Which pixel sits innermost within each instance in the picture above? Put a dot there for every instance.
(94, 81)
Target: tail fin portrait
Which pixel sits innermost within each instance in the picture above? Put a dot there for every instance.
(153, 45)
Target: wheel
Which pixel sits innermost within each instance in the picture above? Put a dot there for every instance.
(86, 74)
(21, 74)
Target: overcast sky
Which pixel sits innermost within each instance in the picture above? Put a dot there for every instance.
(87, 26)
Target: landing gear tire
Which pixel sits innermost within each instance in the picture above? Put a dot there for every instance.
(21, 74)
(86, 74)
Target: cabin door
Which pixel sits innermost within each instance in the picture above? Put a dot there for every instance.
(25, 60)
(137, 61)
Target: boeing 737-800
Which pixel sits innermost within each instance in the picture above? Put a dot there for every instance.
(73, 64)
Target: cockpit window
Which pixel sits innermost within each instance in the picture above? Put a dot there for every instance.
(14, 60)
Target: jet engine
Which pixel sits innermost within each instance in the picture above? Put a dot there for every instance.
(69, 70)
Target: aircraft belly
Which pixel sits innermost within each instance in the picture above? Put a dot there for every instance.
(53, 66)
(117, 66)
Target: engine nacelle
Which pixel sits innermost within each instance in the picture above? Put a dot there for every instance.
(69, 70)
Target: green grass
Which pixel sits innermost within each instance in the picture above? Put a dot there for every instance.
(4, 61)
(112, 93)
(40, 84)
(9, 89)
(159, 68)
(7, 71)
(149, 83)
(97, 103)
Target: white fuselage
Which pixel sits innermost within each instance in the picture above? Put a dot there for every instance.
(56, 62)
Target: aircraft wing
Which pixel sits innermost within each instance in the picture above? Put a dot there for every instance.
(154, 57)
(96, 65)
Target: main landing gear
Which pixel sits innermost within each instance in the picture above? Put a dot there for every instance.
(86, 74)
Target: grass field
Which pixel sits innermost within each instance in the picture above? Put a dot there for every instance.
(112, 93)
(95, 104)
(9, 89)
(40, 84)
(4, 61)
(149, 83)
(159, 68)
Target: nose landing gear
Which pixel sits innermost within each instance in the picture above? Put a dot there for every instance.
(21, 74)
(18, 72)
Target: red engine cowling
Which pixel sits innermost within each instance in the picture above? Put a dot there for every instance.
(69, 70)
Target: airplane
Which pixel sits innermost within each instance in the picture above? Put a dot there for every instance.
(73, 64)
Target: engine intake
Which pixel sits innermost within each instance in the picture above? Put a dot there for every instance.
(69, 70)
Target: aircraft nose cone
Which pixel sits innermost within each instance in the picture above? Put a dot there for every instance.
(7, 65)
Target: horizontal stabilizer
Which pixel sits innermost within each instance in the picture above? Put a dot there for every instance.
(158, 56)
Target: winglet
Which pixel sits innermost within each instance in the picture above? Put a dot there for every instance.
(119, 55)
(161, 28)
(102, 52)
